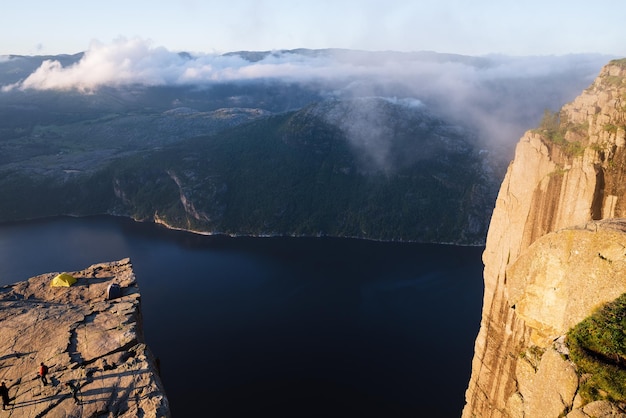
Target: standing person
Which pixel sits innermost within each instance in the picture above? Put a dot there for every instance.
(4, 393)
(43, 372)
(74, 388)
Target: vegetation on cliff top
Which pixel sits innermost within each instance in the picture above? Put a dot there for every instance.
(619, 62)
(552, 128)
(598, 348)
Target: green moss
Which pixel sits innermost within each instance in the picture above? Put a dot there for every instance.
(598, 347)
(533, 355)
(559, 172)
(551, 122)
(574, 148)
(554, 129)
(619, 62)
(580, 128)
(596, 147)
(614, 80)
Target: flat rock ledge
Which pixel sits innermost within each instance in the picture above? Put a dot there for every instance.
(94, 343)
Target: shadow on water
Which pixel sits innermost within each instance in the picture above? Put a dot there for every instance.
(283, 326)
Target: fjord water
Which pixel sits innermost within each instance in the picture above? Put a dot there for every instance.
(289, 327)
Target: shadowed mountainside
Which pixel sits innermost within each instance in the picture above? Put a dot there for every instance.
(378, 155)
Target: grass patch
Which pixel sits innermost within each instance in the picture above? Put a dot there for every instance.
(614, 80)
(533, 355)
(598, 347)
(621, 62)
(552, 129)
(559, 172)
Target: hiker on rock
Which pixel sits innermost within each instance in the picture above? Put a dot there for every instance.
(43, 372)
(75, 390)
(4, 393)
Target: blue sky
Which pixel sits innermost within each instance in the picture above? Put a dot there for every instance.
(477, 27)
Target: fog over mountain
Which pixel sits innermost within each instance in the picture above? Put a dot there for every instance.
(385, 145)
(501, 96)
(135, 61)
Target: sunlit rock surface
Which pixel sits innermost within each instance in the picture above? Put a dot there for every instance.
(83, 338)
(536, 288)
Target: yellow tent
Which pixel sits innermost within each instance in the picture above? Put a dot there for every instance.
(63, 279)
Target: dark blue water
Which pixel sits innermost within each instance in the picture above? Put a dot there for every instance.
(285, 327)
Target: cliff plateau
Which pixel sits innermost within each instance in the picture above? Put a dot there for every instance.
(85, 338)
(555, 252)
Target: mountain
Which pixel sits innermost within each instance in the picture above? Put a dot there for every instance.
(304, 173)
(384, 145)
(551, 342)
(301, 172)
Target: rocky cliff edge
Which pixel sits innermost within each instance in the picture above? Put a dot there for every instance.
(85, 339)
(555, 252)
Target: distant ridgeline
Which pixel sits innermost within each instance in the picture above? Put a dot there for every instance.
(322, 170)
(267, 157)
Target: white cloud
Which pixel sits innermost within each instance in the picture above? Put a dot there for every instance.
(497, 94)
(121, 63)
(136, 61)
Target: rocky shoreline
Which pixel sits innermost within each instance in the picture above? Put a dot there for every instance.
(86, 339)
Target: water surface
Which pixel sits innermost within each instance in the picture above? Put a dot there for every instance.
(287, 327)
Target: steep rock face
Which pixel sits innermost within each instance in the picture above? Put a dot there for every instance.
(95, 343)
(554, 283)
(563, 175)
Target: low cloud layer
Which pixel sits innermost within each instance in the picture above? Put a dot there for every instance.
(500, 96)
(136, 61)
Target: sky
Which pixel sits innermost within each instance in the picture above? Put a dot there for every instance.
(137, 42)
(477, 27)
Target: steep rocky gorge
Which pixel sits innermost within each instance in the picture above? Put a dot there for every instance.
(555, 251)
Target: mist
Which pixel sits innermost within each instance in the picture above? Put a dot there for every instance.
(497, 96)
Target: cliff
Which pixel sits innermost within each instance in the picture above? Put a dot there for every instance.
(555, 252)
(84, 338)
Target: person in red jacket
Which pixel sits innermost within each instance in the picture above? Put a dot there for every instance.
(43, 372)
